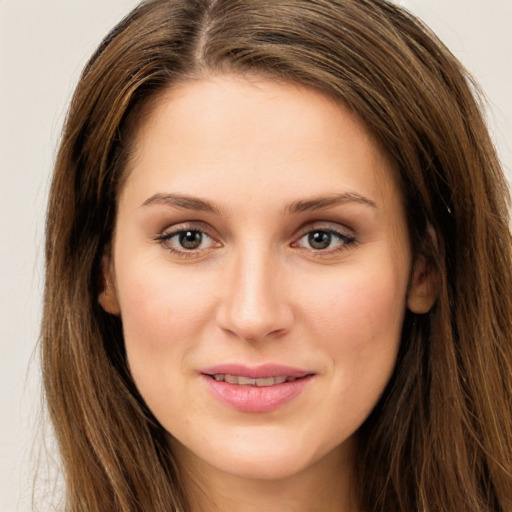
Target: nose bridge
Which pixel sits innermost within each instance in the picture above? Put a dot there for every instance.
(254, 304)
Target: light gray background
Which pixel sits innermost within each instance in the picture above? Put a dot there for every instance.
(43, 46)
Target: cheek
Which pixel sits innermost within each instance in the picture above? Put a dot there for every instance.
(363, 298)
(359, 326)
(358, 320)
(159, 301)
(163, 316)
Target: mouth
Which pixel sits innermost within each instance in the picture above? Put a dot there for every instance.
(240, 380)
(256, 389)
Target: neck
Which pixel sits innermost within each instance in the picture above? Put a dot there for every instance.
(326, 486)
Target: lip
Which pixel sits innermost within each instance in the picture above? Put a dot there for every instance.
(255, 399)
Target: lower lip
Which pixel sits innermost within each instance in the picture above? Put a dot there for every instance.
(255, 398)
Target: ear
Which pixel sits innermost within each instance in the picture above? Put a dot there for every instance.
(423, 285)
(108, 296)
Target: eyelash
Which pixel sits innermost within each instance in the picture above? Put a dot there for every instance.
(345, 238)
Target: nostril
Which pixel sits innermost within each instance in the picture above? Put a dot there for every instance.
(254, 334)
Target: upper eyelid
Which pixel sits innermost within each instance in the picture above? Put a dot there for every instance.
(334, 227)
(188, 226)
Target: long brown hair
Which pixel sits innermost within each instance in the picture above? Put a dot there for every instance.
(440, 439)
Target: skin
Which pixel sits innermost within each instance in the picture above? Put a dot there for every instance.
(256, 290)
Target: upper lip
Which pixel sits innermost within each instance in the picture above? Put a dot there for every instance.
(263, 371)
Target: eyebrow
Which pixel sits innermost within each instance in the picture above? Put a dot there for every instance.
(318, 203)
(184, 202)
(304, 205)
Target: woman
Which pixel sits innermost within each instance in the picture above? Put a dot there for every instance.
(278, 268)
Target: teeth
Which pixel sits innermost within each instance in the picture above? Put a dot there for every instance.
(248, 381)
(245, 381)
(231, 379)
(269, 381)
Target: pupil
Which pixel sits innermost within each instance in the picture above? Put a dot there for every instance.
(319, 239)
(190, 239)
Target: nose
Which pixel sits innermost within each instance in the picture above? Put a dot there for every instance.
(254, 303)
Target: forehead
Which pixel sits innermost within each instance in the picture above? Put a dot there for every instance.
(233, 131)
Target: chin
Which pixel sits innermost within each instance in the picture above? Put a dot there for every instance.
(263, 466)
(257, 455)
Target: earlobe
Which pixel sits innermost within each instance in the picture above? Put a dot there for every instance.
(423, 286)
(108, 296)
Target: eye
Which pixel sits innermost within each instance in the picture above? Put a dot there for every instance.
(319, 240)
(324, 240)
(190, 239)
(187, 241)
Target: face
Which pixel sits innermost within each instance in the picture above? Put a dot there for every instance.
(261, 268)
